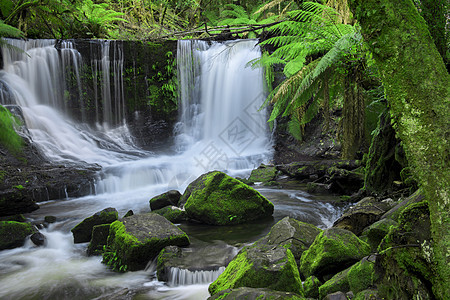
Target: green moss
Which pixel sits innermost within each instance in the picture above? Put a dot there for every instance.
(131, 251)
(263, 174)
(13, 234)
(220, 200)
(8, 135)
(338, 282)
(173, 214)
(361, 276)
(333, 249)
(243, 272)
(311, 287)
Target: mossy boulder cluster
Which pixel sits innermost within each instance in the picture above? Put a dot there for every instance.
(135, 240)
(337, 262)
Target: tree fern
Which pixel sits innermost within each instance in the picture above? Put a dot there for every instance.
(315, 30)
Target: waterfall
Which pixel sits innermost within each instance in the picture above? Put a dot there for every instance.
(179, 276)
(41, 79)
(220, 125)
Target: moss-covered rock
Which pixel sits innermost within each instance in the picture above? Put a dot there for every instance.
(395, 212)
(338, 282)
(82, 233)
(292, 234)
(137, 239)
(13, 234)
(263, 174)
(405, 265)
(260, 267)
(169, 198)
(369, 294)
(252, 293)
(218, 199)
(362, 275)
(99, 239)
(332, 251)
(311, 287)
(172, 213)
(375, 233)
(361, 215)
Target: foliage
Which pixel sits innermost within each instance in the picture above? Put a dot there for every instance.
(8, 135)
(322, 58)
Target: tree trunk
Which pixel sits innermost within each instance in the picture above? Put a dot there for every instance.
(417, 87)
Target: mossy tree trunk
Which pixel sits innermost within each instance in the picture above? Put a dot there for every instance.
(417, 87)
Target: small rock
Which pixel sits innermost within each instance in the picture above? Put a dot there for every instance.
(336, 296)
(50, 219)
(129, 213)
(99, 239)
(82, 233)
(166, 199)
(13, 234)
(38, 239)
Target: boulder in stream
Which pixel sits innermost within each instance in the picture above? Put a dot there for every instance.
(38, 239)
(263, 174)
(218, 199)
(82, 233)
(333, 250)
(172, 213)
(99, 239)
(261, 266)
(166, 199)
(137, 239)
(13, 234)
(292, 234)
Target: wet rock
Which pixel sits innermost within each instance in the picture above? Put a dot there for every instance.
(14, 201)
(166, 199)
(405, 265)
(50, 219)
(375, 233)
(82, 232)
(314, 187)
(336, 296)
(318, 168)
(311, 287)
(333, 250)
(38, 239)
(253, 294)
(218, 199)
(99, 239)
(292, 234)
(395, 212)
(364, 213)
(208, 258)
(345, 182)
(13, 234)
(263, 174)
(129, 213)
(337, 283)
(260, 266)
(136, 240)
(16, 218)
(172, 213)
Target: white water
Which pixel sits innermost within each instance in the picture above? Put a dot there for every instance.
(179, 276)
(220, 128)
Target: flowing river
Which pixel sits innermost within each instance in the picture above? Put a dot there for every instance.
(220, 127)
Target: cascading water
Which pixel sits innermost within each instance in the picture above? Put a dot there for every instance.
(220, 127)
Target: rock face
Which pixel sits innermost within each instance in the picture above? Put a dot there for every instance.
(251, 293)
(261, 267)
(263, 174)
(137, 239)
(99, 239)
(218, 199)
(13, 234)
(332, 251)
(364, 213)
(82, 233)
(208, 258)
(169, 198)
(292, 234)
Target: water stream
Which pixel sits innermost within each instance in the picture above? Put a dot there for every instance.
(220, 127)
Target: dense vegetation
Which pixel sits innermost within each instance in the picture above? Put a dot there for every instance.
(330, 59)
